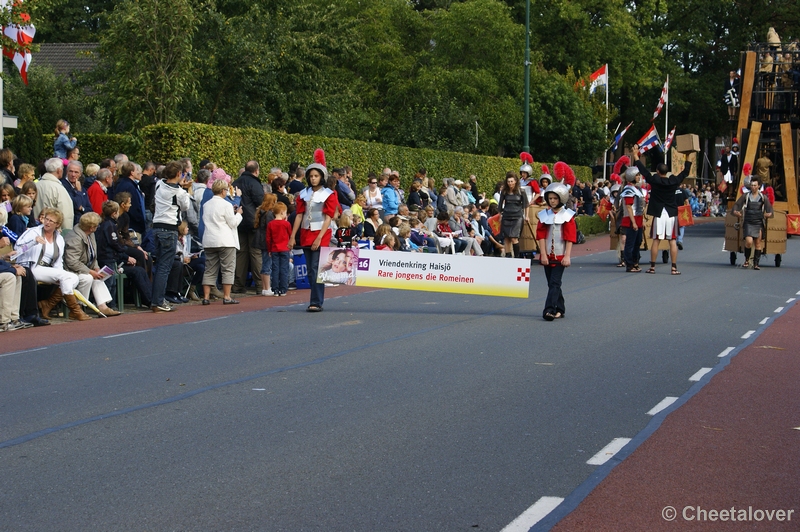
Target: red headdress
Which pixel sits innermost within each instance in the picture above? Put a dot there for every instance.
(622, 161)
(527, 161)
(770, 194)
(564, 173)
(615, 178)
(747, 169)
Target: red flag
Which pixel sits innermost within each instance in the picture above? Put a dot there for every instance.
(668, 140)
(663, 99)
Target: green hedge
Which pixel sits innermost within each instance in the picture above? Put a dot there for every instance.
(231, 148)
(591, 225)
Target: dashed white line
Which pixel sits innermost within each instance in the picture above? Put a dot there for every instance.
(665, 402)
(607, 452)
(699, 375)
(209, 319)
(764, 321)
(126, 334)
(22, 352)
(778, 310)
(790, 299)
(747, 335)
(726, 352)
(533, 515)
(797, 294)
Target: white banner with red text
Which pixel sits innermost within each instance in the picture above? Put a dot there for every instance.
(429, 272)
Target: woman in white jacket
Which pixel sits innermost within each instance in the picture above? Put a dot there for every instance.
(220, 240)
(42, 249)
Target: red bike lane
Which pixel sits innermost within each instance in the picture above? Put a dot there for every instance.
(727, 459)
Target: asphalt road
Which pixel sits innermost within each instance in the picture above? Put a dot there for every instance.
(391, 410)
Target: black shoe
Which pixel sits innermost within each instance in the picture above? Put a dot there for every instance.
(206, 302)
(680, 246)
(173, 299)
(230, 301)
(37, 321)
(184, 299)
(292, 286)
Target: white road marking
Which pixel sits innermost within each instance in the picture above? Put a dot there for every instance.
(747, 335)
(23, 352)
(778, 309)
(790, 299)
(699, 375)
(665, 402)
(210, 319)
(764, 321)
(533, 515)
(259, 389)
(607, 452)
(127, 333)
(726, 352)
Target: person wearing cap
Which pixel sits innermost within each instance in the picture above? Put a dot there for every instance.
(632, 221)
(662, 206)
(556, 232)
(316, 207)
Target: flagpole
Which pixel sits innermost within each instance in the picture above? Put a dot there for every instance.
(605, 152)
(666, 118)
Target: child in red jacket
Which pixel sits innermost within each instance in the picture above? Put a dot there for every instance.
(278, 231)
(556, 232)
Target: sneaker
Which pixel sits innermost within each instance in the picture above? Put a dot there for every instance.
(276, 294)
(9, 327)
(173, 299)
(680, 246)
(292, 286)
(163, 307)
(268, 293)
(282, 294)
(19, 324)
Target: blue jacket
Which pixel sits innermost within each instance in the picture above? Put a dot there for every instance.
(391, 200)
(7, 267)
(80, 200)
(136, 214)
(62, 145)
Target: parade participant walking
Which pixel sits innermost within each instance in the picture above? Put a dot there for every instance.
(633, 201)
(316, 206)
(513, 207)
(556, 232)
(754, 207)
(662, 206)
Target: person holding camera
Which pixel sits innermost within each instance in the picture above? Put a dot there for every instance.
(171, 198)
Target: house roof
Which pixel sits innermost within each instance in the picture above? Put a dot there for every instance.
(67, 58)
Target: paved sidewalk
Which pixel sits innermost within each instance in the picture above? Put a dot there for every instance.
(734, 447)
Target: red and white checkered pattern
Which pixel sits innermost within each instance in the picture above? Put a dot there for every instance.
(523, 274)
(663, 99)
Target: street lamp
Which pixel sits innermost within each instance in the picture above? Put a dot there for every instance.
(526, 141)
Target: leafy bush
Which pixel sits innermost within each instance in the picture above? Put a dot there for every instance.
(231, 148)
(591, 225)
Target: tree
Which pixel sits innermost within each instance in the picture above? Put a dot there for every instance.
(147, 60)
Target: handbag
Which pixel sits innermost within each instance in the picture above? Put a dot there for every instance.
(685, 217)
(722, 187)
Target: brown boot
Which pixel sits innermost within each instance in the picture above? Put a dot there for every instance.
(47, 305)
(193, 293)
(75, 310)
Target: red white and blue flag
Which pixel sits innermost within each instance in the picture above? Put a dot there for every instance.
(668, 140)
(599, 79)
(663, 99)
(649, 140)
(619, 136)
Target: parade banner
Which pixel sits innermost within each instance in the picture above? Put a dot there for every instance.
(429, 272)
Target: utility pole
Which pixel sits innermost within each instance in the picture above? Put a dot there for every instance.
(525, 135)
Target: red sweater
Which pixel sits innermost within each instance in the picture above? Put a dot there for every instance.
(96, 197)
(278, 232)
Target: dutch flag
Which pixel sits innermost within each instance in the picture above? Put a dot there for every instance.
(649, 141)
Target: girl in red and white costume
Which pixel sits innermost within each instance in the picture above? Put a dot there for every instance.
(316, 206)
(556, 233)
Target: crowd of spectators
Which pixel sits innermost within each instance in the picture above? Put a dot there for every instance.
(174, 235)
